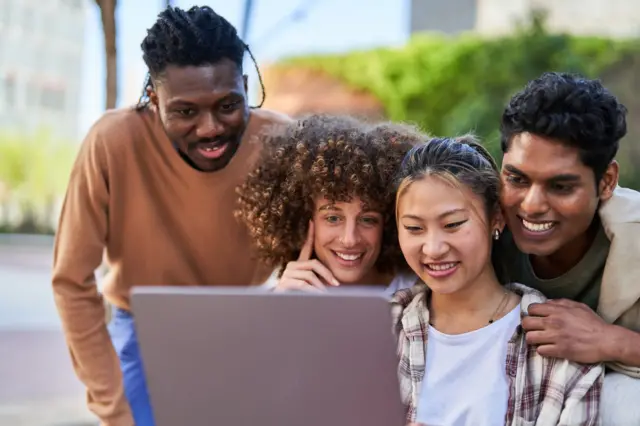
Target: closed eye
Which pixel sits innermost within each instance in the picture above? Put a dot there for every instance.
(185, 112)
(454, 224)
(516, 180)
(412, 228)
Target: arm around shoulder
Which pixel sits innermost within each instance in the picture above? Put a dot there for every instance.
(79, 245)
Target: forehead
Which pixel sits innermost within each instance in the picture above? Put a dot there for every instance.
(542, 158)
(193, 83)
(356, 205)
(432, 196)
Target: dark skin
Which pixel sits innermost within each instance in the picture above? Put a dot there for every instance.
(545, 181)
(203, 107)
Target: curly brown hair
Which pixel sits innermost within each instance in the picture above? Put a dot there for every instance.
(338, 157)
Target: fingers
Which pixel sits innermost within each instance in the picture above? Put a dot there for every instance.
(321, 270)
(567, 303)
(538, 338)
(530, 323)
(305, 275)
(549, 351)
(544, 309)
(307, 248)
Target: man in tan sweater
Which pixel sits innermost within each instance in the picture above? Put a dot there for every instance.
(153, 187)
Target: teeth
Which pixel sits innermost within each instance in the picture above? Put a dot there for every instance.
(537, 227)
(441, 266)
(349, 257)
(210, 149)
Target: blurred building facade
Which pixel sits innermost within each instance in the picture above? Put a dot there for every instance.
(610, 18)
(41, 49)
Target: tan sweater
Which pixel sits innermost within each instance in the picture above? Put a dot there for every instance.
(620, 292)
(159, 222)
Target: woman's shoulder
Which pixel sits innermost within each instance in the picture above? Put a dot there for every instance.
(402, 281)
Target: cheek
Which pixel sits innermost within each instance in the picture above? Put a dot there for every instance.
(323, 235)
(373, 237)
(575, 207)
(177, 129)
(509, 197)
(410, 246)
(235, 120)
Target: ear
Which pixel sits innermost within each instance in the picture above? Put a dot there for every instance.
(153, 96)
(245, 78)
(609, 181)
(497, 222)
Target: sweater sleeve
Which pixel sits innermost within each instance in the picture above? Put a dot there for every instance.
(79, 244)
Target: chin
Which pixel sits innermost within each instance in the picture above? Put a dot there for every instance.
(538, 249)
(349, 278)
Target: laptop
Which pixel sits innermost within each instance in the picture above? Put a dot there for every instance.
(250, 357)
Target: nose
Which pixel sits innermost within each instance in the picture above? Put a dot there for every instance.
(434, 246)
(350, 234)
(209, 127)
(534, 202)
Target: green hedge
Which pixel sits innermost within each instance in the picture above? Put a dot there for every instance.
(453, 85)
(34, 171)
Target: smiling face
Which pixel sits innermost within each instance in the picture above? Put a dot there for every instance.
(444, 234)
(204, 111)
(549, 196)
(348, 239)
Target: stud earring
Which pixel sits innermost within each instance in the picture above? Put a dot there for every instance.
(496, 234)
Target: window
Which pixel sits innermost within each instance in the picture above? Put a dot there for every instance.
(9, 90)
(53, 98)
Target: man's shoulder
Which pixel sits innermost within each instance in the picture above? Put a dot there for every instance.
(266, 121)
(117, 126)
(268, 116)
(622, 207)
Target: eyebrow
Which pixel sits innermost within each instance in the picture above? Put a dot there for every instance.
(440, 216)
(563, 177)
(328, 207)
(233, 95)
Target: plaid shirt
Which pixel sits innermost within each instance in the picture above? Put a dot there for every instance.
(542, 391)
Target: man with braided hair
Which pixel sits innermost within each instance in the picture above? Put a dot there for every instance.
(154, 187)
(574, 234)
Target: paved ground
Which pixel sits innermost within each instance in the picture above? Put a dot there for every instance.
(37, 384)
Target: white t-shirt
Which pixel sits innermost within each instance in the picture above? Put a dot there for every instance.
(465, 381)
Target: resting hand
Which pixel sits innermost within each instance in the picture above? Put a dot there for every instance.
(306, 274)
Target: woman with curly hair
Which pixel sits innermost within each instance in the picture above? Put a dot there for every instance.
(320, 204)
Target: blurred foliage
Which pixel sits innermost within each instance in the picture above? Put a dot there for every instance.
(452, 85)
(34, 172)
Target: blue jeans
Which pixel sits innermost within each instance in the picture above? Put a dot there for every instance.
(125, 342)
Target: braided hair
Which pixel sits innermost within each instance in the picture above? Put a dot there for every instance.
(196, 37)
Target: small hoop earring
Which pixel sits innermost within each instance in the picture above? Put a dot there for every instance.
(496, 234)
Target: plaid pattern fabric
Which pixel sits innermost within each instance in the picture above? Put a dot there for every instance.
(543, 391)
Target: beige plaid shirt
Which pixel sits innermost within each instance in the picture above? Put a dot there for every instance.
(542, 391)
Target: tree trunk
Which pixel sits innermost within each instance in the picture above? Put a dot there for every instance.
(108, 15)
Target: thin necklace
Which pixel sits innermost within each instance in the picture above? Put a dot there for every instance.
(500, 307)
(498, 310)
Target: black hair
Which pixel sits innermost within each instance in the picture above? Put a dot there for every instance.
(571, 109)
(196, 37)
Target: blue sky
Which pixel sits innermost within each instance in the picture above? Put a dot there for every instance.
(327, 26)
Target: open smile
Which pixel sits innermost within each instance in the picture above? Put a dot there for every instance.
(212, 150)
(441, 269)
(537, 228)
(348, 259)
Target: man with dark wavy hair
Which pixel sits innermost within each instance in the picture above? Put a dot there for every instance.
(154, 187)
(577, 233)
